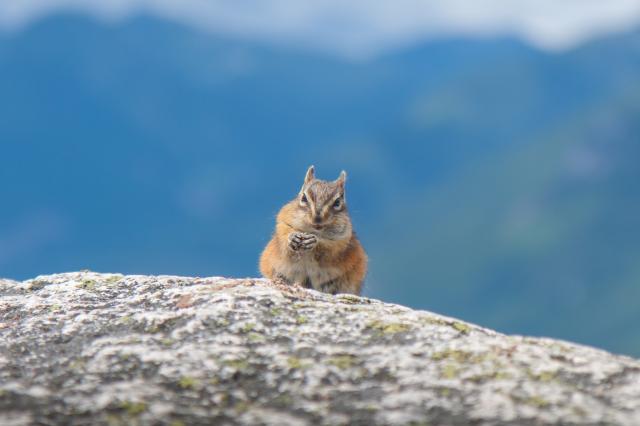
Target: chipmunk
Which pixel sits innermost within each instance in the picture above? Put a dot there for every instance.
(314, 244)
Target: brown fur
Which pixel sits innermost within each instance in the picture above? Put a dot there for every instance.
(314, 244)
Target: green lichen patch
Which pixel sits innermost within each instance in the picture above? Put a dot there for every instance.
(450, 371)
(543, 376)
(113, 279)
(492, 376)
(302, 320)
(459, 356)
(187, 382)
(248, 327)
(88, 284)
(237, 364)
(222, 323)
(537, 401)
(381, 327)
(297, 363)
(443, 391)
(276, 312)
(461, 327)
(303, 305)
(55, 308)
(133, 408)
(432, 320)
(254, 337)
(343, 362)
(532, 400)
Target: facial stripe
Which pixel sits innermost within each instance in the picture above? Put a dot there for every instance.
(311, 203)
(310, 194)
(321, 197)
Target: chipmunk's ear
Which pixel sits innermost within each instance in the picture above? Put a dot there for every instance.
(342, 179)
(311, 175)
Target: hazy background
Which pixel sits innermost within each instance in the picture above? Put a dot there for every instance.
(492, 146)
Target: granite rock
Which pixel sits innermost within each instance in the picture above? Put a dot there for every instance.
(87, 349)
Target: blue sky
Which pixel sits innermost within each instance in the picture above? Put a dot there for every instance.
(361, 28)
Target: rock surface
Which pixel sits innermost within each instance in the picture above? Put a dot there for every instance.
(86, 348)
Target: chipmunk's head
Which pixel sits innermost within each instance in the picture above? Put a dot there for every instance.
(322, 207)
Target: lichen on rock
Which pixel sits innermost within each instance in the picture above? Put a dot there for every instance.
(89, 348)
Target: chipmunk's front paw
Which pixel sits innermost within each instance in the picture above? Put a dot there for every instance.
(302, 241)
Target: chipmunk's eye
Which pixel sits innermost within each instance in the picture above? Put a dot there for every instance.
(337, 204)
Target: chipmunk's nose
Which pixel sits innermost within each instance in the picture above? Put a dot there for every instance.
(317, 219)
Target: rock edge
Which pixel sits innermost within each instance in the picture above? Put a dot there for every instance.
(88, 348)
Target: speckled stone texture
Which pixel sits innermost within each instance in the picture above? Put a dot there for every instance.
(89, 349)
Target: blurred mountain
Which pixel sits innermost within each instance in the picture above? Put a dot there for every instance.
(489, 181)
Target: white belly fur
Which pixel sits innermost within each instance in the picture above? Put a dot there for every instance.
(306, 266)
